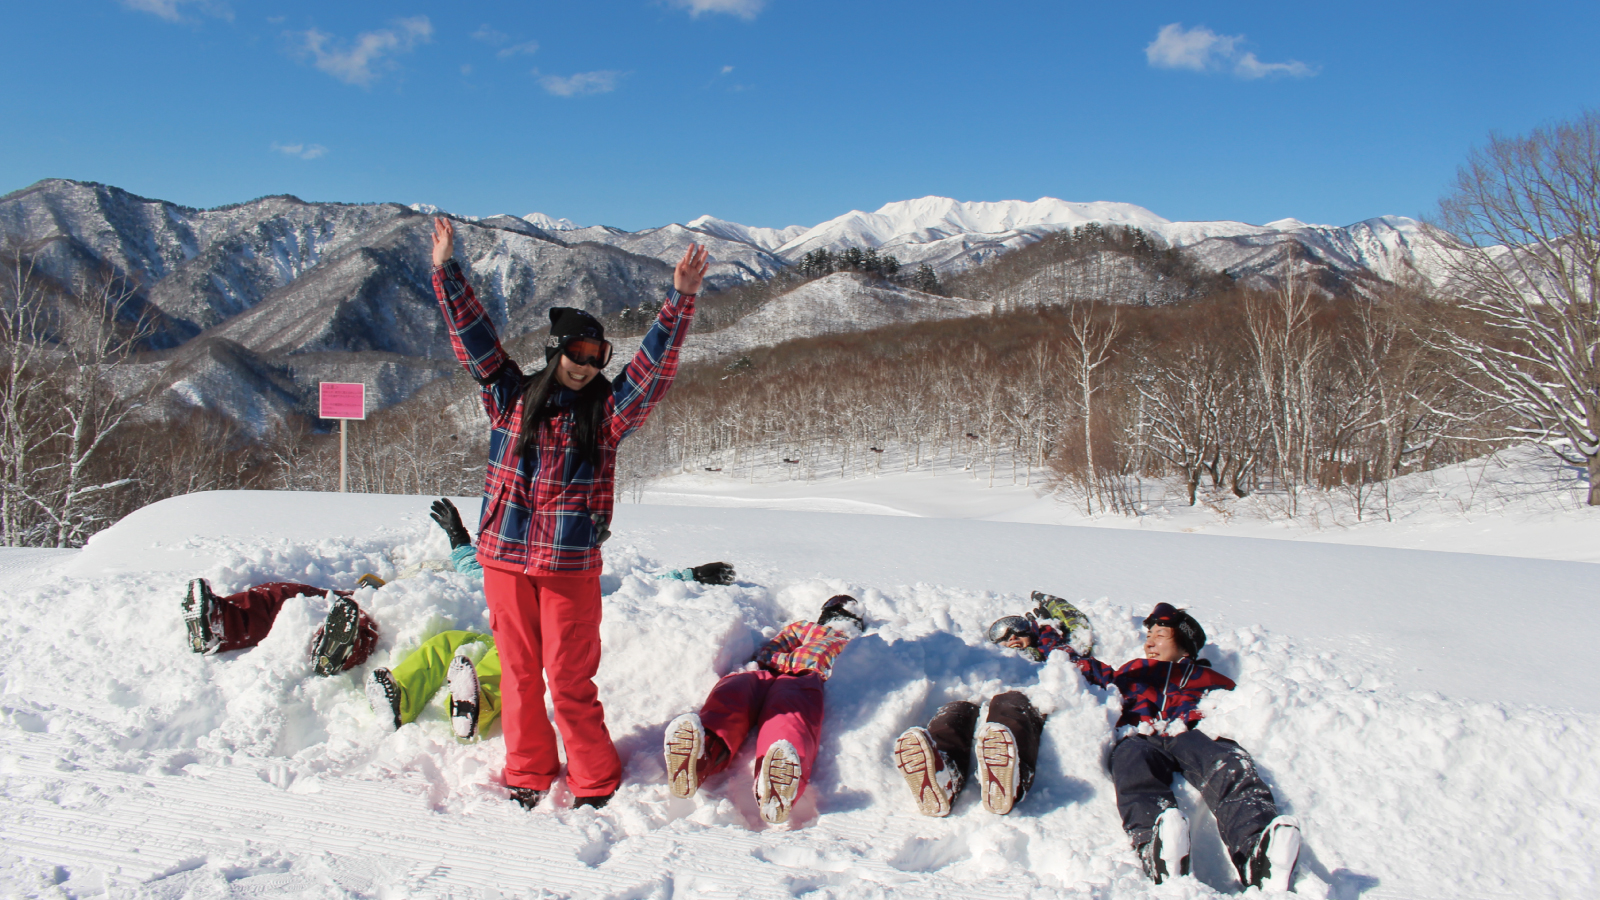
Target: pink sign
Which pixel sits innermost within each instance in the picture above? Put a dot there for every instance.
(338, 400)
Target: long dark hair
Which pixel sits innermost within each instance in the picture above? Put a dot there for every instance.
(587, 411)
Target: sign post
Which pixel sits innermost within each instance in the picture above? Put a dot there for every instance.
(342, 401)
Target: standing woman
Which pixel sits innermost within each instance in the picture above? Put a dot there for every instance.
(547, 501)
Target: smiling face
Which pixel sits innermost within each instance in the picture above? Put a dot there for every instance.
(1160, 643)
(1020, 641)
(571, 375)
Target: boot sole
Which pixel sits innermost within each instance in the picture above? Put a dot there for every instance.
(194, 617)
(777, 784)
(465, 701)
(998, 769)
(915, 757)
(684, 747)
(1171, 837)
(384, 695)
(1283, 853)
(338, 637)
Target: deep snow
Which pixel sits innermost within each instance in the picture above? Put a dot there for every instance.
(1429, 716)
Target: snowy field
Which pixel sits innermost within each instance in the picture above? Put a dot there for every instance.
(1430, 717)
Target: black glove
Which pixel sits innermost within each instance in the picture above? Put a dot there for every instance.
(444, 512)
(713, 573)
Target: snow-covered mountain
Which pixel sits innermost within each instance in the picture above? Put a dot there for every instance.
(542, 221)
(951, 235)
(841, 302)
(262, 284)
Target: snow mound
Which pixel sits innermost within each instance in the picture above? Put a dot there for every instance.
(133, 767)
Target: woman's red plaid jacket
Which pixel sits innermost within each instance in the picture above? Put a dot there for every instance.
(547, 511)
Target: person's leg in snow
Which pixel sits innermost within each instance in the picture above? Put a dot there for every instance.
(242, 620)
(699, 746)
(1141, 772)
(218, 624)
(400, 694)
(548, 627)
(1008, 749)
(1227, 780)
(936, 760)
(789, 730)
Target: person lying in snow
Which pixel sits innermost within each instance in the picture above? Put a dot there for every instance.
(1157, 738)
(217, 624)
(399, 695)
(936, 759)
(781, 700)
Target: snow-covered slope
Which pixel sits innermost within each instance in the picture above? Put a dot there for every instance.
(1409, 707)
(542, 221)
(733, 261)
(840, 302)
(765, 238)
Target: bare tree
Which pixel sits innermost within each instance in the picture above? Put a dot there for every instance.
(23, 334)
(1086, 350)
(1289, 353)
(1524, 224)
(103, 328)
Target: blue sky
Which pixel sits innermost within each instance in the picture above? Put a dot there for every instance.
(636, 113)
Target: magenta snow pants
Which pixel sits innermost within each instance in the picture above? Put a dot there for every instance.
(781, 707)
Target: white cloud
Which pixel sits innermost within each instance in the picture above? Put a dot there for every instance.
(490, 36)
(365, 60)
(519, 49)
(172, 10)
(582, 83)
(1198, 48)
(300, 151)
(744, 9)
(1250, 67)
(1202, 50)
(727, 69)
(499, 39)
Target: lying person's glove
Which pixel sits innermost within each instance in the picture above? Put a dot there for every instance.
(444, 512)
(710, 573)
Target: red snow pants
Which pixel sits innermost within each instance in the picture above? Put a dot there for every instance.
(780, 707)
(247, 618)
(547, 628)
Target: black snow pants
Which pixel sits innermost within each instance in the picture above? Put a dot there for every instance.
(954, 728)
(1142, 767)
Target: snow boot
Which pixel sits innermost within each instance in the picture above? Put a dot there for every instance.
(384, 695)
(527, 798)
(1271, 865)
(999, 768)
(338, 637)
(596, 802)
(933, 779)
(1166, 855)
(463, 681)
(685, 749)
(778, 782)
(199, 611)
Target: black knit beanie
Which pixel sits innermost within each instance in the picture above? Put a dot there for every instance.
(567, 323)
(1185, 630)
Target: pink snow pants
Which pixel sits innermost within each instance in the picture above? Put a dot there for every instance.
(781, 707)
(547, 628)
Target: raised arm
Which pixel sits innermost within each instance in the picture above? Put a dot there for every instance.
(648, 375)
(472, 333)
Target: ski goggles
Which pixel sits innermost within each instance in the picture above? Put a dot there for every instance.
(588, 351)
(1008, 627)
